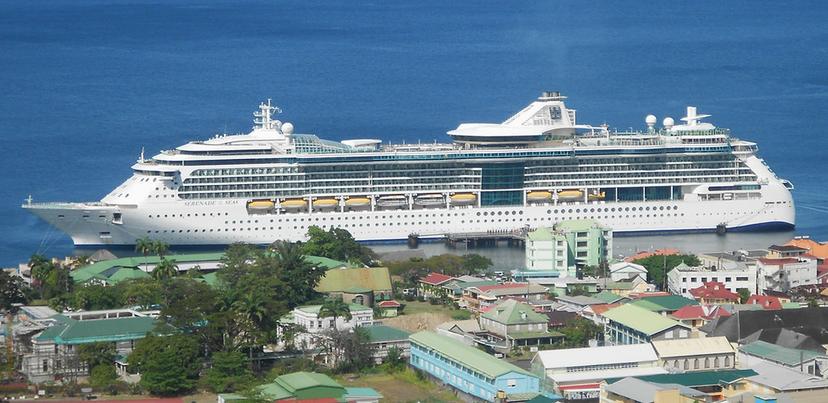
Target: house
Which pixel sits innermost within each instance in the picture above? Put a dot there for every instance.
(579, 302)
(595, 313)
(665, 304)
(576, 373)
(307, 317)
(383, 338)
(514, 324)
(638, 390)
(630, 324)
(771, 378)
(455, 288)
(471, 372)
(389, 308)
(558, 319)
(806, 361)
(626, 287)
(610, 298)
(430, 286)
(684, 278)
(479, 298)
(53, 353)
(786, 267)
(460, 330)
(697, 316)
(567, 285)
(716, 385)
(767, 302)
(627, 271)
(360, 285)
(657, 252)
(714, 292)
(699, 354)
(306, 387)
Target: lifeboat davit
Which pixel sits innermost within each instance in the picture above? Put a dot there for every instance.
(293, 204)
(430, 200)
(358, 202)
(260, 205)
(463, 198)
(538, 196)
(325, 203)
(571, 195)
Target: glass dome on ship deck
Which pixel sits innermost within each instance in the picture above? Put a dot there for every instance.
(310, 144)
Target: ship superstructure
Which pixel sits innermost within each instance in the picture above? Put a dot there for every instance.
(536, 168)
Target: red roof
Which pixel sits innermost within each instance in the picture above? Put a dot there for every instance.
(778, 260)
(599, 309)
(657, 252)
(580, 387)
(767, 302)
(707, 312)
(639, 295)
(485, 288)
(714, 290)
(435, 278)
(389, 304)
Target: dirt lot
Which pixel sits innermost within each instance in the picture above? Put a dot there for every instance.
(401, 387)
(420, 316)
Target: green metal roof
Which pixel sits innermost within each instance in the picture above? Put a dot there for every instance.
(96, 330)
(465, 355)
(779, 354)
(640, 319)
(364, 278)
(541, 234)
(351, 393)
(577, 225)
(382, 333)
(664, 303)
(511, 312)
(700, 378)
(304, 380)
(608, 297)
(127, 273)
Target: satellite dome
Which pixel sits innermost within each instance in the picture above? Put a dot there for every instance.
(668, 122)
(650, 120)
(287, 128)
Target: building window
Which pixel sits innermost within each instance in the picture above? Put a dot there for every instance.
(696, 363)
(511, 383)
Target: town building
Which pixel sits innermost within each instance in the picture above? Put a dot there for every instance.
(636, 390)
(785, 273)
(622, 270)
(578, 303)
(389, 308)
(471, 372)
(767, 302)
(568, 246)
(478, 299)
(715, 386)
(626, 287)
(663, 304)
(697, 316)
(630, 324)
(779, 380)
(714, 292)
(510, 324)
(576, 373)
(53, 353)
(813, 248)
(684, 278)
(307, 318)
(455, 287)
(306, 387)
(384, 338)
(699, 354)
(431, 286)
(463, 331)
(805, 361)
(794, 328)
(360, 285)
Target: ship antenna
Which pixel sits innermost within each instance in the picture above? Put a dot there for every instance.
(29, 200)
(141, 157)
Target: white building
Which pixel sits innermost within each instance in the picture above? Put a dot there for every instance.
(699, 354)
(627, 270)
(684, 278)
(782, 274)
(308, 318)
(576, 373)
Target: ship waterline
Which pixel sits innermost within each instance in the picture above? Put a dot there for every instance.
(536, 168)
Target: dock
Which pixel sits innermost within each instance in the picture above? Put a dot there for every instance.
(513, 238)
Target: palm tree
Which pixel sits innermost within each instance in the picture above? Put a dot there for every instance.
(144, 246)
(160, 248)
(251, 306)
(335, 308)
(165, 269)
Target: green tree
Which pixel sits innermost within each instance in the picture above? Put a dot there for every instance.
(744, 295)
(474, 263)
(394, 361)
(95, 296)
(12, 291)
(298, 275)
(165, 269)
(103, 376)
(229, 372)
(187, 304)
(335, 308)
(169, 365)
(336, 243)
(659, 265)
(144, 293)
(160, 248)
(58, 282)
(578, 332)
(40, 268)
(144, 246)
(97, 354)
(350, 350)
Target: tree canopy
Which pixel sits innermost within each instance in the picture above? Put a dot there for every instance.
(659, 265)
(168, 365)
(338, 244)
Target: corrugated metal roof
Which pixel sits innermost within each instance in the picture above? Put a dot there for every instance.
(511, 312)
(579, 357)
(382, 333)
(96, 330)
(699, 346)
(640, 319)
(364, 278)
(467, 356)
(779, 354)
(700, 378)
(664, 303)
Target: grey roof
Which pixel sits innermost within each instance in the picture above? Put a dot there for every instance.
(742, 324)
(580, 300)
(644, 392)
(804, 338)
(784, 379)
(38, 312)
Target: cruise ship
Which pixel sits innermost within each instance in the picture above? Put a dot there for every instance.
(536, 168)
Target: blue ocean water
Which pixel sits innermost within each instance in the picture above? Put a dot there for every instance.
(84, 85)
